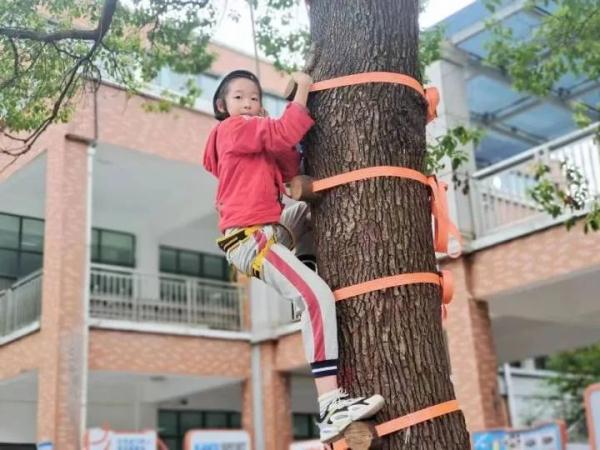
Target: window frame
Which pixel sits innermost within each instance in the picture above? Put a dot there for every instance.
(180, 436)
(313, 430)
(98, 259)
(19, 250)
(201, 255)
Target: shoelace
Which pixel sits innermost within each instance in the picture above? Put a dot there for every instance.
(340, 401)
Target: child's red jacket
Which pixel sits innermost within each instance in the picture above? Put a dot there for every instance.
(252, 157)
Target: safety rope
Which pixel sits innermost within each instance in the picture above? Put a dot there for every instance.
(407, 421)
(443, 279)
(431, 95)
(443, 227)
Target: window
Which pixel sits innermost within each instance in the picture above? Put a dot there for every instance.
(305, 426)
(177, 82)
(172, 425)
(194, 264)
(274, 105)
(113, 247)
(21, 246)
(541, 363)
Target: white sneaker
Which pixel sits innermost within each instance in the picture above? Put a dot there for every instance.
(344, 410)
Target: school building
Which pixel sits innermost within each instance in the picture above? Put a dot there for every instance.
(117, 309)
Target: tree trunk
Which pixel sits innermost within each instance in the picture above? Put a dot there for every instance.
(391, 342)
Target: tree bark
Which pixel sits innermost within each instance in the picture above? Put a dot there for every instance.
(391, 342)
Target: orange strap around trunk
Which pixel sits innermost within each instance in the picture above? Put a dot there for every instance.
(444, 279)
(409, 420)
(431, 95)
(443, 227)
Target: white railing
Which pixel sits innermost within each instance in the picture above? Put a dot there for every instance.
(20, 305)
(117, 294)
(500, 192)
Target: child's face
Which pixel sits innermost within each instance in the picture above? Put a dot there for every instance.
(243, 98)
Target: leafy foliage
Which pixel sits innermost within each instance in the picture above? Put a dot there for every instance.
(569, 193)
(567, 42)
(51, 49)
(576, 370)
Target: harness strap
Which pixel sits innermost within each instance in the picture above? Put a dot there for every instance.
(443, 227)
(443, 279)
(259, 259)
(409, 420)
(431, 95)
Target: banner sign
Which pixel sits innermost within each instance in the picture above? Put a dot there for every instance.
(100, 439)
(308, 445)
(549, 436)
(592, 411)
(217, 440)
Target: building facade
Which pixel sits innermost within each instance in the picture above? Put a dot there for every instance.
(117, 309)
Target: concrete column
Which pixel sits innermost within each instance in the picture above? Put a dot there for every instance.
(62, 369)
(449, 76)
(247, 409)
(277, 409)
(472, 355)
(147, 263)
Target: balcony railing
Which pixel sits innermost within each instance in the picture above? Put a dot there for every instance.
(20, 305)
(165, 299)
(500, 192)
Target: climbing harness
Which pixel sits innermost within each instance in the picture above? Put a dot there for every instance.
(235, 239)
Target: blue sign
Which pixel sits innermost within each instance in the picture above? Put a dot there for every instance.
(549, 436)
(217, 440)
(45, 446)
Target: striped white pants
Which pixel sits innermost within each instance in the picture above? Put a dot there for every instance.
(295, 282)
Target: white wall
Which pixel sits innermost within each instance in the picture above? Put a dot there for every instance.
(18, 421)
(122, 415)
(304, 395)
(228, 398)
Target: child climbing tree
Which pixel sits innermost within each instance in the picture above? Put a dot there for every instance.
(391, 340)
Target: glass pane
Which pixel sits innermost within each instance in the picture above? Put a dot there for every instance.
(9, 231)
(167, 423)
(208, 84)
(235, 420)
(30, 262)
(215, 420)
(214, 267)
(33, 235)
(301, 426)
(168, 260)
(117, 248)
(314, 428)
(190, 420)
(9, 263)
(189, 263)
(6, 282)
(171, 443)
(95, 243)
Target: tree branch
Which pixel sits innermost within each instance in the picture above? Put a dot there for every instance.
(15, 64)
(103, 26)
(81, 35)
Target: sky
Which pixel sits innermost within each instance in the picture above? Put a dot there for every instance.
(238, 34)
